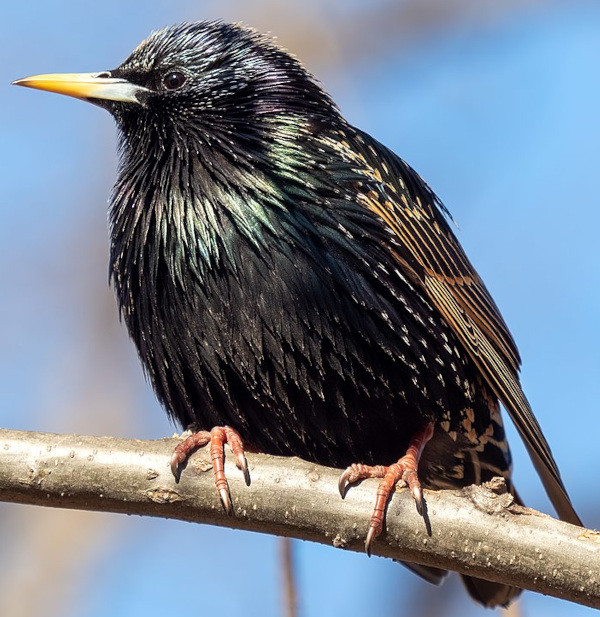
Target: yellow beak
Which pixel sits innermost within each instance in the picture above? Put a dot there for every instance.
(85, 86)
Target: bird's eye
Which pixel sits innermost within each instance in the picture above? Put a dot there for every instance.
(173, 80)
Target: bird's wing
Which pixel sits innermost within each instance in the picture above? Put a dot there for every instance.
(425, 245)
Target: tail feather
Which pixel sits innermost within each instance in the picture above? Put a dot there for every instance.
(490, 594)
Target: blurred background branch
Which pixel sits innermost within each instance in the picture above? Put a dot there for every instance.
(479, 530)
(288, 573)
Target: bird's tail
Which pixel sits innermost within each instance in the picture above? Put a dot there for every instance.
(487, 593)
(490, 594)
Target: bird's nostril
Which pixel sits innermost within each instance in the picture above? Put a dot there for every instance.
(103, 74)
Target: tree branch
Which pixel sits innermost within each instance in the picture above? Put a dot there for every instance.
(478, 531)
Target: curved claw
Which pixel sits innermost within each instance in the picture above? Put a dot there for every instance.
(226, 501)
(175, 465)
(343, 482)
(417, 494)
(242, 464)
(369, 540)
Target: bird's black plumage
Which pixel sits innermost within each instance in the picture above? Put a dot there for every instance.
(284, 273)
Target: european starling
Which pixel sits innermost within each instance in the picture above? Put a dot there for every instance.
(291, 283)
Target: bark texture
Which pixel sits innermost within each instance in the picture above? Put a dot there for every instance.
(478, 531)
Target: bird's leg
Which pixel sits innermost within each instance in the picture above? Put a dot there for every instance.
(218, 437)
(404, 473)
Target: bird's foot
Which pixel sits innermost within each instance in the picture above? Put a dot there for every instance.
(403, 474)
(218, 437)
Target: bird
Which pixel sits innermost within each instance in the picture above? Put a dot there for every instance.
(293, 286)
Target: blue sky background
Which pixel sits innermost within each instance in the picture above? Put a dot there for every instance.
(497, 109)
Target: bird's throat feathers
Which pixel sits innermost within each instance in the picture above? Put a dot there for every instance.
(183, 202)
(230, 156)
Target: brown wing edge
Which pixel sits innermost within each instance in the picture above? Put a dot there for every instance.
(439, 265)
(506, 386)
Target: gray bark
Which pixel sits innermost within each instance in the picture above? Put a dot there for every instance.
(478, 531)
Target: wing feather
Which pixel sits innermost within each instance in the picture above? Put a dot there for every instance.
(425, 244)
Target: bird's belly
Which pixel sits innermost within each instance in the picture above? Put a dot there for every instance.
(301, 366)
(333, 399)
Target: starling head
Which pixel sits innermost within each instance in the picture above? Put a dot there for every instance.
(215, 119)
(200, 82)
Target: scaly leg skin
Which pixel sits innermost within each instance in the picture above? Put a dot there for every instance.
(404, 472)
(218, 437)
